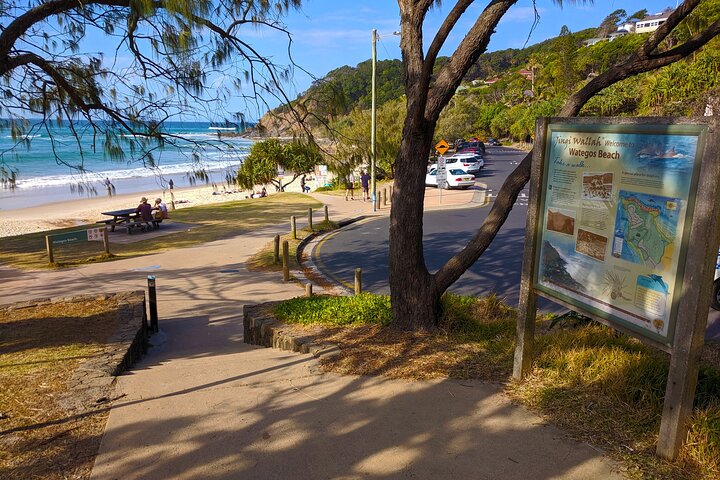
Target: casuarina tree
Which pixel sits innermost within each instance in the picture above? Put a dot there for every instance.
(167, 60)
(415, 292)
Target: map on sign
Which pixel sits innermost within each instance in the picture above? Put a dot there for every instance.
(616, 204)
(442, 147)
(645, 228)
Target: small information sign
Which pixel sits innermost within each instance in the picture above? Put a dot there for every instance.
(441, 173)
(96, 234)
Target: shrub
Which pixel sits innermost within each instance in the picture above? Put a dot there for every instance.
(362, 309)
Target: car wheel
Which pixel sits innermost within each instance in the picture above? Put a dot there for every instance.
(715, 304)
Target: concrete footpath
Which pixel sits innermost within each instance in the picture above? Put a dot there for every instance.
(205, 405)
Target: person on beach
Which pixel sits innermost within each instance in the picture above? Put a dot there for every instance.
(349, 186)
(171, 184)
(160, 209)
(365, 182)
(109, 187)
(145, 212)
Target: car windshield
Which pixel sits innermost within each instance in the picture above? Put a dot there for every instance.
(455, 171)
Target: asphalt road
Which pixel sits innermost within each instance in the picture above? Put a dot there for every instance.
(365, 245)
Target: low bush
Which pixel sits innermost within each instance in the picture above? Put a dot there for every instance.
(363, 309)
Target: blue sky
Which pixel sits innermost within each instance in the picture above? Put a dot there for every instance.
(328, 34)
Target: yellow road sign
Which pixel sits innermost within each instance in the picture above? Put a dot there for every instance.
(442, 147)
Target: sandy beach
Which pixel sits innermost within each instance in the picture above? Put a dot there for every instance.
(88, 210)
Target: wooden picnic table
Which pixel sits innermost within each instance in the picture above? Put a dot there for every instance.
(128, 218)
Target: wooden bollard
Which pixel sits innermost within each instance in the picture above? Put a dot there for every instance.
(286, 261)
(358, 281)
(379, 199)
(293, 230)
(308, 290)
(276, 249)
(310, 219)
(385, 198)
(327, 216)
(391, 190)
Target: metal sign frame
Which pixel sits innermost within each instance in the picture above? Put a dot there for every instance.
(696, 265)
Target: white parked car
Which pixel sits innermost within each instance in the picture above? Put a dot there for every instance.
(456, 178)
(464, 161)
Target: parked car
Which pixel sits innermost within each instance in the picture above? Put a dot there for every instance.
(494, 142)
(473, 146)
(469, 162)
(456, 178)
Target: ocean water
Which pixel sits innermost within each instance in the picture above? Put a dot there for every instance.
(45, 173)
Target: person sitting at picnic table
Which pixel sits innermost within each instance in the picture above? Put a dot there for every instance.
(145, 212)
(160, 209)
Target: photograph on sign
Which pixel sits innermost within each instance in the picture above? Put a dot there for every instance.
(616, 202)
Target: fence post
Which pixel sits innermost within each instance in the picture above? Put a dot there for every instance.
(152, 301)
(327, 217)
(310, 218)
(293, 231)
(286, 260)
(358, 281)
(106, 241)
(48, 244)
(276, 249)
(308, 290)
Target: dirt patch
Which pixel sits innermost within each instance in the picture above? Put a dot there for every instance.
(53, 400)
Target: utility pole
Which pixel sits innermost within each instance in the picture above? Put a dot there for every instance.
(372, 123)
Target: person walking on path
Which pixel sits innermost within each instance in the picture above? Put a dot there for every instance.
(365, 182)
(349, 186)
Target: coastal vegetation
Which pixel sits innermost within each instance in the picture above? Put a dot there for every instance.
(604, 388)
(266, 157)
(205, 223)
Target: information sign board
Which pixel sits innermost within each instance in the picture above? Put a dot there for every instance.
(613, 225)
(69, 237)
(441, 175)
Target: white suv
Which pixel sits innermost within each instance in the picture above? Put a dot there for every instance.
(465, 161)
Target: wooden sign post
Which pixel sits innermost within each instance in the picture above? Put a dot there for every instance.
(99, 234)
(623, 227)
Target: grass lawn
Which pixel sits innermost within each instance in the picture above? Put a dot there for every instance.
(214, 222)
(602, 387)
(39, 351)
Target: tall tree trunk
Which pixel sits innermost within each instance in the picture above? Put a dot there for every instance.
(415, 293)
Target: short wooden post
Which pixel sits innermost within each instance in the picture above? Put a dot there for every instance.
(327, 216)
(48, 244)
(391, 190)
(293, 231)
(276, 249)
(385, 196)
(308, 290)
(358, 281)
(286, 260)
(106, 241)
(310, 218)
(379, 198)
